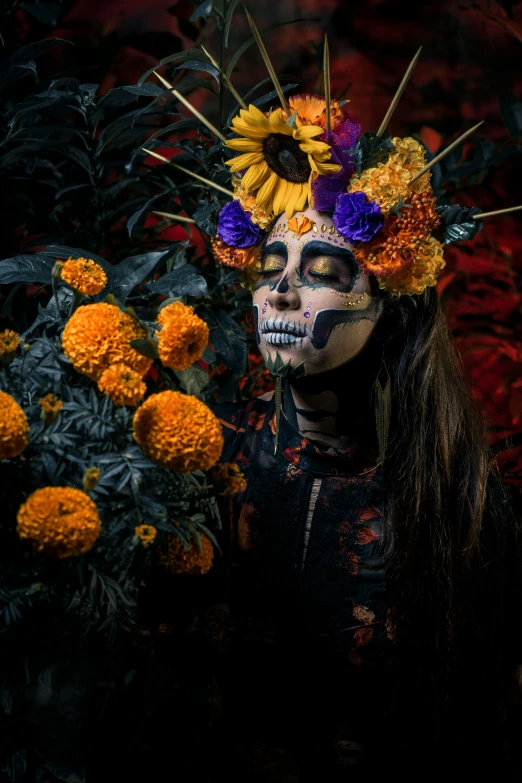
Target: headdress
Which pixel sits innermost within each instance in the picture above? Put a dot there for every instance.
(308, 152)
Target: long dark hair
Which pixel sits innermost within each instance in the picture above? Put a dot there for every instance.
(445, 501)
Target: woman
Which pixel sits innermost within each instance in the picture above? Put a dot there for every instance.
(367, 580)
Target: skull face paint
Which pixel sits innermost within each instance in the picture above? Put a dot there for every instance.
(312, 303)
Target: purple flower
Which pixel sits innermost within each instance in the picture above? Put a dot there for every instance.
(356, 218)
(327, 188)
(235, 227)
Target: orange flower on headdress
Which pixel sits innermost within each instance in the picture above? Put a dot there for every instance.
(300, 224)
(235, 257)
(421, 273)
(311, 110)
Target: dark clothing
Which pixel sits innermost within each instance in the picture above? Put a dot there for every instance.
(307, 690)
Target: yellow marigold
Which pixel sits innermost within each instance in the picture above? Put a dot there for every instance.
(235, 257)
(229, 479)
(182, 339)
(59, 521)
(178, 432)
(420, 274)
(258, 215)
(14, 427)
(98, 335)
(146, 534)
(389, 183)
(91, 478)
(9, 341)
(190, 561)
(122, 385)
(84, 275)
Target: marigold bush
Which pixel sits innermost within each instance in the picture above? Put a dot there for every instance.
(98, 335)
(183, 338)
(59, 521)
(14, 427)
(122, 385)
(178, 560)
(84, 275)
(178, 432)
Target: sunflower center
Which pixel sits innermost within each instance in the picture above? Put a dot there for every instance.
(286, 158)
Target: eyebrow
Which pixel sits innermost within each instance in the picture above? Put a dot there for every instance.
(316, 247)
(277, 248)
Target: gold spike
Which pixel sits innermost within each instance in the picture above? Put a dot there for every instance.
(445, 152)
(190, 173)
(268, 64)
(174, 217)
(327, 91)
(483, 215)
(226, 80)
(397, 97)
(190, 107)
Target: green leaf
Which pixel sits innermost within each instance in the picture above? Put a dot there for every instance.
(26, 269)
(133, 271)
(282, 370)
(131, 222)
(146, 346)
(457, 223)
(372, 150)
(192, 380)
(183, 281)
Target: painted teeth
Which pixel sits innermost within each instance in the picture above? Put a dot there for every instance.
(281, 338)
(278, 325)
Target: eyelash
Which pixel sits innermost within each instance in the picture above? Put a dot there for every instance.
(321, 276)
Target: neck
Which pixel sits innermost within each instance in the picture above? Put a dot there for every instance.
(334, 408)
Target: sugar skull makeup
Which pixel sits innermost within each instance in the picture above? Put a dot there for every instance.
(312, 303)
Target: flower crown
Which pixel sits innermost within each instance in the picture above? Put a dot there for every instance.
(308, 152)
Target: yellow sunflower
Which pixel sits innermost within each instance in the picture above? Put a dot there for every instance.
(279, 159)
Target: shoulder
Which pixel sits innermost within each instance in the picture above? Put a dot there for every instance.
(238, 418)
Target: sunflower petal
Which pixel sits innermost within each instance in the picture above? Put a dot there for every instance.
(323, 168)
(280, 195)
(302, 200)
(278, 124)
(244, 161)
(315, 147)
(265, 193)
(254, 116)
(255, 177)
(244, 145)
(292, 195)
(250, 131)
(307, 132)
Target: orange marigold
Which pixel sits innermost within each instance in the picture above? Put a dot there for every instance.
(311, 110)
(146, 534)
(122, 385)
(98, 335)
(9, 342)
(84, 275)
(235, 257)
(399, 242)
(183, 337)
(421, 273)
(14, 427)
(389, 183)
(179, 560)
(229, 479)
(178, 432)
(174, 311)
(59, 521)
(50, 403)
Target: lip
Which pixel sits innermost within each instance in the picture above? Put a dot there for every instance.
(281, 338)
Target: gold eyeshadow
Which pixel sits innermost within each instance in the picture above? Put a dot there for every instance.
(324, 266)
(272, 264)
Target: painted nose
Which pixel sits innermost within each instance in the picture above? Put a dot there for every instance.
(284, 296)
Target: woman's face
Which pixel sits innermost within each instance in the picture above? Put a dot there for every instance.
(312, 303)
